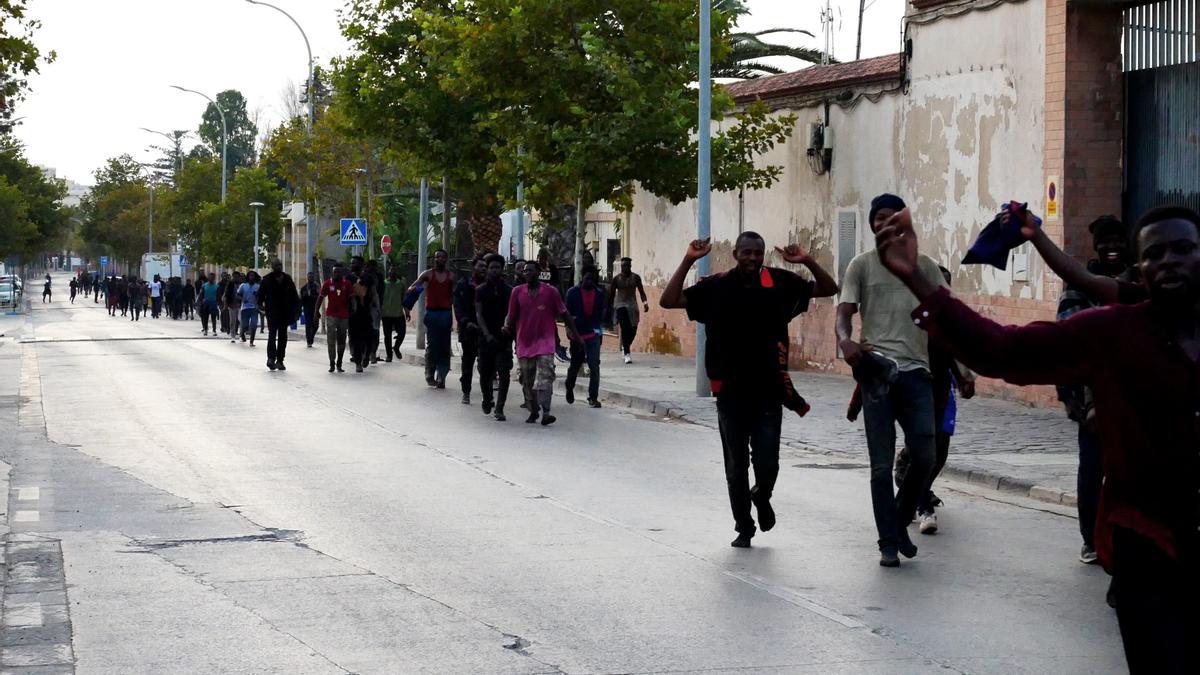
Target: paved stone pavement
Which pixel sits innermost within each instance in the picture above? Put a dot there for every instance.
(999, 444)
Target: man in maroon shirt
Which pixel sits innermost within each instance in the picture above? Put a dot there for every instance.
(1142, 363)
(336, 293)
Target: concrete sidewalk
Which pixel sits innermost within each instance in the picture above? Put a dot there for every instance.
(999, 444)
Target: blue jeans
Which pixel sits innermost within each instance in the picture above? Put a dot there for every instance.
(249, 320)
(438, 323)
(589, 351)
(747, 427)
(909, 402)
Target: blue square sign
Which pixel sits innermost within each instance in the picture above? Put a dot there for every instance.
(354, 232)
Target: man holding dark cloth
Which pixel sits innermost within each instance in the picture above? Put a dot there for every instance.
(746, 312)
(278, 299)
(1142, 363)
(468, 327)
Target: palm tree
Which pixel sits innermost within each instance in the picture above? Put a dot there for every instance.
(743, 62)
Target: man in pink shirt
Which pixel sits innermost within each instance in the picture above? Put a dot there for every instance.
(532, 311)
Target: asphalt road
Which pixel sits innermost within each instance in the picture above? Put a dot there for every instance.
(211, 516)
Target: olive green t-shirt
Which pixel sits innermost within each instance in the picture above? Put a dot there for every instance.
(885, 308)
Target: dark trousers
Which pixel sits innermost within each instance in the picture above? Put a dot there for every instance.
(1156, 598)
(311, 325)
(277, 339)
(210, 312)
(438, 324)
(495, 358)
(750, 437)
(1088, 482)
(909, 402)
(470, 351)
(628, 329)
(155, 306)
(589, 351)
(393, 325)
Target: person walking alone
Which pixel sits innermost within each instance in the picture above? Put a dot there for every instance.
(247, 295)
(47, 296)
(210, 310)
(156, 292)
(438, 289)
(495, 349)
(395, 316)
(136, 299)
(280, 303)
(585, 303)
(623, 298)
(335, 293)
(74, 285)
(310, 300)
(746, 312)
(468, 324)
(532, 310)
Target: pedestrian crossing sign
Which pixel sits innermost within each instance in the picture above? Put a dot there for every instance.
(354, 232)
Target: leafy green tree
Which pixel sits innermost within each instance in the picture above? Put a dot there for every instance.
(227, 230)
(587, 98)
(117, 210)
(199, 183)
(240, 130)
(41, 195)
(19, 56)
(17, 232)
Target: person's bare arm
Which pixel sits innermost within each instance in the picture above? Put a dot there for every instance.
(844, 327)
(1097, 287)
(569, 322)
(642, 291)
(825, 285)
(673, 297)
(423, 278)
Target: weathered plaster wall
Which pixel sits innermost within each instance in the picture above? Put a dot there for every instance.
(964, 137)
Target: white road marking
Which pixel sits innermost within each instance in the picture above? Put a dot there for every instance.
(27, 517)
(29, 494)
(23, 615)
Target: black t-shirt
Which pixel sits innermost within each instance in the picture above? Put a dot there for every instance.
(494, 298)
(746, 324)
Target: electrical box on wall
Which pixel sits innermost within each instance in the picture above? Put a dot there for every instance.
(1020, 265)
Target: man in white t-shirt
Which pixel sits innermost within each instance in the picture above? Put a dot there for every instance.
(156, 296)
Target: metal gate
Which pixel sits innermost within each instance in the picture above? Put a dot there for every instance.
(1162, 106)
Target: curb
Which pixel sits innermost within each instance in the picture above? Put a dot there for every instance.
(988, 479)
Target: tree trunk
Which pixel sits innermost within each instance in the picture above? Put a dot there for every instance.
(483, 224)
(580, 233)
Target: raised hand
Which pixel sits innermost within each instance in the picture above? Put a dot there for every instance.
(794, 254)
(1030, 228)
(896, 243)
(698, 249)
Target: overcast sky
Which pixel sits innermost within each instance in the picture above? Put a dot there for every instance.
(117, 58)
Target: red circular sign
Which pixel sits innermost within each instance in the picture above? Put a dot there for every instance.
(385, 244)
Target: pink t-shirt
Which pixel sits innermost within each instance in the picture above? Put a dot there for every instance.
(534, 315)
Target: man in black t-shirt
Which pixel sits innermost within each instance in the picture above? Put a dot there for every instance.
(495, 350)
(746, 312)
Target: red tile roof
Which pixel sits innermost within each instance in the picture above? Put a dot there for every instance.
(817, 78)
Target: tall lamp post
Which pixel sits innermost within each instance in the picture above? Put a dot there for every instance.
(310, 228)
(358, 174)
(224, 136)
(704, 175)
(257, 206)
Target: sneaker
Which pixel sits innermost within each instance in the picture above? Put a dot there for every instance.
(358, 368)
(441, 383)
(499, 415)
(280, 366)
(429, 381)
(271, 365)
(548, 419)
(766, 514)
(487, 407)
(570, 397)
(593, 403)
(331, 367)
(533, 417)
(340, 369)
(466, 399)
(742, 541)
(907, 548)
(928, 522)
(1087, 555)
(388, 360)
(628, 359)
(888, 558)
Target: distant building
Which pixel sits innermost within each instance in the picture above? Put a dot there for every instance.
(75, 191)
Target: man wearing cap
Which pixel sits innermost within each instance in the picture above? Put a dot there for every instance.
(884, 304)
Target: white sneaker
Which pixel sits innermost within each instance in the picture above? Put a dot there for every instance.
(928, 523)
(628, 359)
(1087, 555)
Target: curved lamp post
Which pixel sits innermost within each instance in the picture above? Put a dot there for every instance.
(175, 139)
(310, 229)
(224, 135)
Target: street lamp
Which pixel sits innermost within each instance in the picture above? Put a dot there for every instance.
(358, 174)
(257, 206)
(704, 175)
(310, 230)
(224, 135)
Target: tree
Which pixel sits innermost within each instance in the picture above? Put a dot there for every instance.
(744, 59)
(19, 57)
(587, 98)
(393, 82)
(171, 158)
(41, 195)
(17, 232)
(117, 209)
(227, 230)
(198, 183)
(241, 131)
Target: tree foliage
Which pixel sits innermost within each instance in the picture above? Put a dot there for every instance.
(117, 209)
(241, 131)
(19, 56)
(227, 230)
(41, 196)
(744, 60)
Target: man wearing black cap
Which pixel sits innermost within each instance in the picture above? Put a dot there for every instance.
(906, 398)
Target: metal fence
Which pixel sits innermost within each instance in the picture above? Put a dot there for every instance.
(1160, 34)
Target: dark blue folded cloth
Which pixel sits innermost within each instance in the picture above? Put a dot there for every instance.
(998, 238)
(411, 297)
